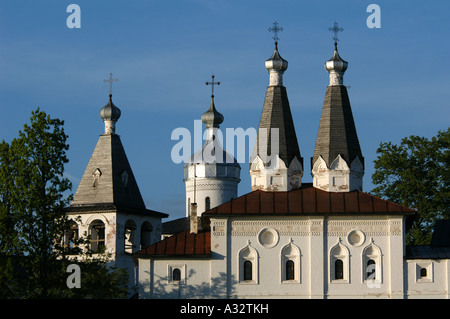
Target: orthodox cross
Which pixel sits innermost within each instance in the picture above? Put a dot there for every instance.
(335, 29)
(110, 81)
(212, 85)
(275, 29)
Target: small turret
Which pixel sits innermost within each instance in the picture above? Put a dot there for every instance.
(110, 114)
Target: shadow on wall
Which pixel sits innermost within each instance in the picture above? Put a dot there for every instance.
(163, 289)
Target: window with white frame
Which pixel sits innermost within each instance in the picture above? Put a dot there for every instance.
(176, 274)
(290, 264)
(339, 265)
(97, 236)
(248, 265)
(372, 264)
(424, 271)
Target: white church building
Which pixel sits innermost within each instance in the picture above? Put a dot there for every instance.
(283, 239)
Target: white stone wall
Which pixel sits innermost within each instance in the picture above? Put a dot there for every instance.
(436, 282)
(115, 237)
(219, 191)
(313, 243)
(195, 279)
(314, 239)
(339, 177)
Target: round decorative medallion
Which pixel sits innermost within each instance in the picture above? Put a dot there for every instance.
(268, 237)
(356, 238)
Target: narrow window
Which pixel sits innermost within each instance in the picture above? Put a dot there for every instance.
(338, 269)
(371, 269)
(423, 272)
(207, 203)
(176, 274)
(129, 236)
(289, 270)
(97, 232)
(247, 270)
(146, 234)
(71, 235)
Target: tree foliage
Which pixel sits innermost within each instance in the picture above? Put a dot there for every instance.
(33, 197)
(416, 174)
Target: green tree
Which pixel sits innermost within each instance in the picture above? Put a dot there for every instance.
(33, 197)
(416, 174)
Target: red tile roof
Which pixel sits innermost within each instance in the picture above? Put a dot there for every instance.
(181, 244)
(306, 201)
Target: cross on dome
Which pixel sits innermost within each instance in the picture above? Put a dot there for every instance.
(335, 29)
(212, 83)
(110, 81)
(275, 29)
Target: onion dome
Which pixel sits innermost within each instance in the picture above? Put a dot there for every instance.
(212, 118)
(276, 62)
(336, 66)
(276, 66)
(110, 114)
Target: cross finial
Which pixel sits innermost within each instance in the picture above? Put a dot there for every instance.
(110, 81)
(335, 29)
(212, 85)
(275, 29)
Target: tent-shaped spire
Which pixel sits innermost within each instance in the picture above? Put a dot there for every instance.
(276, 160)
(337, 163)
(108, 178)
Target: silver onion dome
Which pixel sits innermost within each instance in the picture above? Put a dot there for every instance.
(110, 112)
(212, 118)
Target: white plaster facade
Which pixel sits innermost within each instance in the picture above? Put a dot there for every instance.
(277, 176)
(124, 234)
(313, 244)
(210, 185)
(339, 177)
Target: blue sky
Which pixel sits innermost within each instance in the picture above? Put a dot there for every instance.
(163, 52)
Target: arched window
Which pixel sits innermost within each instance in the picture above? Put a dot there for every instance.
(248, 270)
(423, 272)
(70, 235)
(371, 273)
(290, 263)
(129, 236)
(97, 233)
(176, 274)
(339, 263)
(248, 265)
(207, 203)
(372, 262)
(338, 269)
(290, 270)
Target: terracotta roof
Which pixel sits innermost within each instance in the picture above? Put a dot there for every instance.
(308, 200)
(181, 244)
